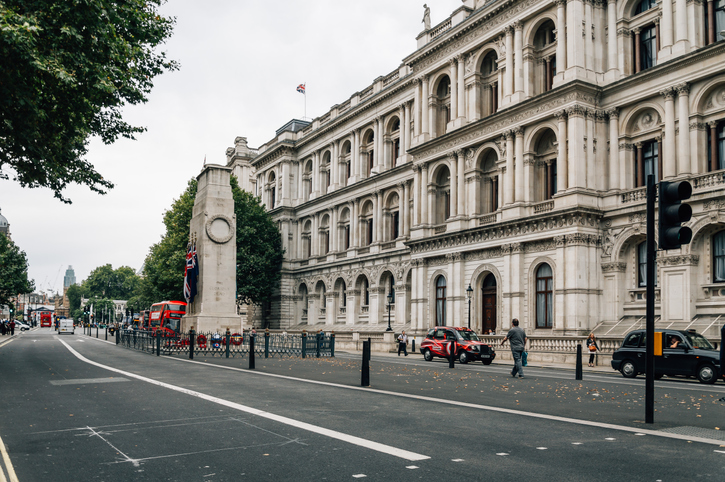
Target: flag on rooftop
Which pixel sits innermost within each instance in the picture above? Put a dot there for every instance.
(301, 88)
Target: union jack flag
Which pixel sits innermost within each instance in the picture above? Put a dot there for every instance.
(301, 88)
(191, 272)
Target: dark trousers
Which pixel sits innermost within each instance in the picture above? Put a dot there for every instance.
(404, 347)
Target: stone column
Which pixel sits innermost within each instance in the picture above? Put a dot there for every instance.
(681, 31)
(666, 26)
(406, 126)
(417, 108)
(405, 208)
(417, 195)
(575, 131)
(509, 179)
(213, 225)
(518, 58)
(641, 181)
(354, 156)
(425, 109)
(612, 36)
(562, 162)
(712, 129)
(431, 205)
(453, 163)
(683, 97)
(519, 176)
(561, 36)
(355, 223)
(613, 148)
(590, 161)
(378, 216)
(403, 134)
(637, 52)
(315, 175)
(461, 164)
(509, 77)
(286, 199)
(528, 175)
(588, 43)
(711, 34)
(670, 162)
(461, 87)
(453, 63)
(424, 195)
(575, 46)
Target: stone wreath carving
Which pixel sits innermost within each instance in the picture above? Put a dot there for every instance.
(220, 228)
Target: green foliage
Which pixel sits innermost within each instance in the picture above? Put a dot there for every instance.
(74, 294)
(105, 282)
(259, 249)
(164, 266)
(68, 68)
(13, 272)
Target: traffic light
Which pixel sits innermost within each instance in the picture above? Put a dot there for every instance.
(673, 212)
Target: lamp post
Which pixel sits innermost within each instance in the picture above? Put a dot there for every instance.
(390, 300)
(469, 294)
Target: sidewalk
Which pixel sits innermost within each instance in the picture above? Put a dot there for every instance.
(558, 366)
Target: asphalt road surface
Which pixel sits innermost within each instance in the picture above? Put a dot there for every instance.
(76, 408)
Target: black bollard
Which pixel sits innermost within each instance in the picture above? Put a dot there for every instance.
(332, 344)
(228, 338)
(118, 336)
(266, 343)
(304, 344)
(106, 332)
(413, 346)
(251, 352)
(158, 342)
(579, 362)
(452, 354)
(365, 382)
(191, 344)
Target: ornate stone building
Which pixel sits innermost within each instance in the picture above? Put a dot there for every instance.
(505, 159)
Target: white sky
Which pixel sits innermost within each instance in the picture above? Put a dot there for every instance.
(241, 61)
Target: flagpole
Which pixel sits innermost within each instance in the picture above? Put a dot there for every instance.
(305, 117)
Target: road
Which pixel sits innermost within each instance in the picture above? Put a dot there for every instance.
(77, 408)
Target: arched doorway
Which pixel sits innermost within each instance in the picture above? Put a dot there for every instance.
(489, 304)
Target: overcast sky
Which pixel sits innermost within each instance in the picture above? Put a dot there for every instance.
(241, 61)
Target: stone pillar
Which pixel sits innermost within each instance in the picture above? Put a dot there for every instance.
(417, 196)
(712, 128)
(334, 166)
(425, 108)
(453, 163)
(461, 87)
(519, 59)
(315, 175)
(637, 52)
(424, 201)
(461, 164)
(509, 77)
(590, 164)
(683, 158)
(453, 63)
(403, 134)
(575, 131)
(286, 199)
(683, 39)
(614, 148)
(377, 216)
(528, 175)
(612, 37)
(588, 43)
(519, 168)
(334, 230)
(405, 208)
(355, 223)
(509, 179)
(417, 107)
(575, 46)
(666, 27)
(561, 37)
(669, 159)
(406, 126)
(562, 163)
(213, 225)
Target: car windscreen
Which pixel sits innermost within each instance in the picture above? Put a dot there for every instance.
(175, 307)
(468, 335)
(699, 341)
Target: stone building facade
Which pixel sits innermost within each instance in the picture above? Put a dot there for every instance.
(504, 163)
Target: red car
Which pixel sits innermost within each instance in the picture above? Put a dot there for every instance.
(466, 344)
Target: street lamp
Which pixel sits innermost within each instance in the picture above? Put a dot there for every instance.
(469, 294)
(390, 300)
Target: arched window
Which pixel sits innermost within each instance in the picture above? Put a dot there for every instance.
(366, 292)
(343, 293)
(544, 295)
(642, 265)
(441, 301)
(645, 5)
(718, 257)
(489, 78)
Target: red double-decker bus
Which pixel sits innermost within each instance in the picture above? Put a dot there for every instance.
(46, 318)
(166, 316)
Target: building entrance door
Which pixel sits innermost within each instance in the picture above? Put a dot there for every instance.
(488, 321)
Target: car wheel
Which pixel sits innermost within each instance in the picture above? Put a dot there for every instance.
(487, 361)
(463, 357)
(427, 355)
(628, 370)
(706, 374)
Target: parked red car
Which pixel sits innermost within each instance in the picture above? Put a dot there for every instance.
(467, 345)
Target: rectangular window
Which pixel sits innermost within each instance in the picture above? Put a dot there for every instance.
(370, 232)
(347, 237)
(718, 257)
(396, 222)
(648, 48)
(650, 159)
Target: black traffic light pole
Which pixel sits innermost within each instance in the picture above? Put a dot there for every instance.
(649, 400)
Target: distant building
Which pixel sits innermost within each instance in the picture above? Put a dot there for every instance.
(69, 278)
(4, 226)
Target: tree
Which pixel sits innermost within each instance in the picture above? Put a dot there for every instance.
(74, 294)
(68, 68)
(259, 249)
(13, 272)
(105, 282)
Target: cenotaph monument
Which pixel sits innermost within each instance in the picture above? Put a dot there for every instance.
(214, 227)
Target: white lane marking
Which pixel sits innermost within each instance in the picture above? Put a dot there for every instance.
(456, 460)
(640, 434)
(502, 453)
(720, 451)
(412, 467)
(128, 459)
(610, 438)
(8, 464)
(576, 443)
(540, 448)
(359, 476)
(386, 449)
(588, 423)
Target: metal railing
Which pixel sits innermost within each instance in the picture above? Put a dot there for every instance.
(267, 345)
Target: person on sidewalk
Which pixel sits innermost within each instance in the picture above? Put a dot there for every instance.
(592, 348)
(517, 338)
(403, 343)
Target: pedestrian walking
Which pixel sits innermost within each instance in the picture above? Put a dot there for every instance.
(517, 338)
(592, 348)
(2, 328)
(403, 343)
(12, 327)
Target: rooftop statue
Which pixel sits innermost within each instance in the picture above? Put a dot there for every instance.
(426, 17)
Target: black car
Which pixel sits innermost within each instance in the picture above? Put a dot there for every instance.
(684, 353)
